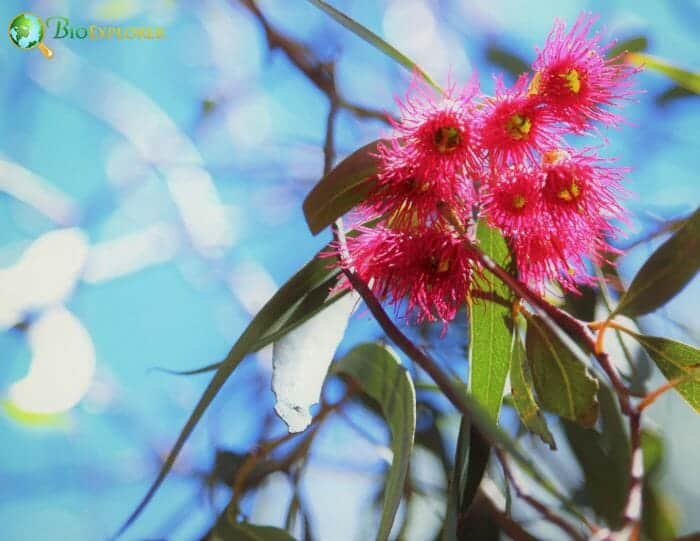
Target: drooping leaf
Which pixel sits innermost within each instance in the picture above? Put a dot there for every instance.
(490, 334)
(523, 397)
(279, 314)
(635, 44)
(489, 358)
(347, 185)
(489, 348)
(604, 459)
(673, 93)
(685, 78)
(563, 383)
(511, 62)
(300, 361)
(667, 271)
(660, 517)
(374, 40)
(677, 361)
(226, 530)
(653, 452)
(379, 374)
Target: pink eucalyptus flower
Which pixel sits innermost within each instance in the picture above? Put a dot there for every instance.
(433, 157)
(429, 268)
(575, 78)
(516, 127)
(511, 200)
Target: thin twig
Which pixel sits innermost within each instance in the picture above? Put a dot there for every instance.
(545, 511)
(319, 73)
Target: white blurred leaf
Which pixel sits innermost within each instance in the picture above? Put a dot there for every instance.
(300, 362)
(62, 366)
(45, 275)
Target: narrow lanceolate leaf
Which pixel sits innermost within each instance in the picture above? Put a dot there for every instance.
(300, 362)
(604, 459)
(347, 185)
(685, 78)
(523, 397)
(242, 531)
(378, 373)
(562, 381)
(678, 362)
(631, 45)
(374, 40)
(490, 335)
(308, 288)
(666, 272)
(489, 362)
(514, 64)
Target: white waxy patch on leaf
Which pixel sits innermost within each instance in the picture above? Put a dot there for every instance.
(301, 358)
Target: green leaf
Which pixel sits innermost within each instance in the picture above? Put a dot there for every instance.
(604, 459)
(660, 517)
(653, 452)
(666, 272)
(225, 530)
(490, 335)
(523, 397)
(347, 185)
(374, 40)
(280, 314)
(687, 79)
(489, 362)
(512, 63)
(676, 360)
(634, 44)
(673, 93)
(379, 374)
(563, 383)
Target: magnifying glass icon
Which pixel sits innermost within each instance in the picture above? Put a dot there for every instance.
(26, 32)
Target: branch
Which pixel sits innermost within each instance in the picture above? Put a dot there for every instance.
(318, 72)
(545, 511)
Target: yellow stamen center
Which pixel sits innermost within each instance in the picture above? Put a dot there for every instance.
(573, 80)
(571, 193)
(446, 139)
(519, 201)
(518, 126)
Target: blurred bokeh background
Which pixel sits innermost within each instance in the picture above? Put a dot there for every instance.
(150, 196)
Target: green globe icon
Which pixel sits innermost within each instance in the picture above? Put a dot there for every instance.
(27, 31)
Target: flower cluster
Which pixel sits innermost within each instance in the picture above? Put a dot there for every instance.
(503, 159)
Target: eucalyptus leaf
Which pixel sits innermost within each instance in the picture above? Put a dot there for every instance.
(376, 370)
(673, 93)
(277, 316)
(667, 271)
(685, 78)
(300, 361)
(374, 40)
(514, 64)
(347, 185)
(634, 44)
(523, 398)
(242, 531)
(677, 361)
(604, 459)
(489, 362)
(563, 383)
(490, 334)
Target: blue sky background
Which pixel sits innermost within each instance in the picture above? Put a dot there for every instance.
(113, 140)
